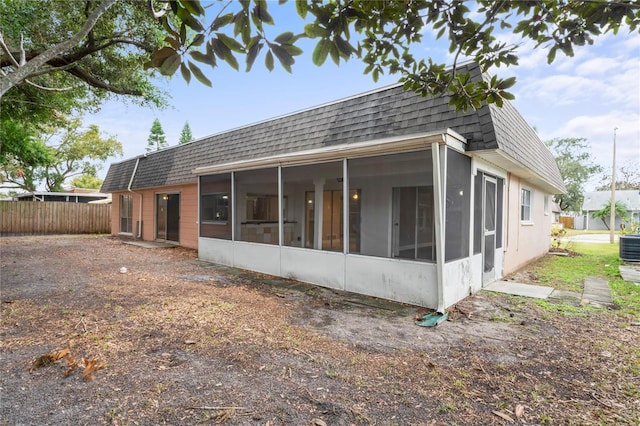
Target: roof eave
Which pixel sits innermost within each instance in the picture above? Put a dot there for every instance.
(510, 164)
(396, 144)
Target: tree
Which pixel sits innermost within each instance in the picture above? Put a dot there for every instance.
(66, 152)
(380, 33)
(604, 214)
(185, 134)
(576, 167)
(157, 139)
(627, 177)
(59, 59)
(87, 181)
(97, 47)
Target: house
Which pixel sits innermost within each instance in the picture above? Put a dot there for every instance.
(386, 193)
(77, 195)
(597, 200)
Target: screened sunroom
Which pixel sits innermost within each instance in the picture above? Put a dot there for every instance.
(389, 218)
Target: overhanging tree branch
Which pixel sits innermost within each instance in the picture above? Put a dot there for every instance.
(99, 84)
(23, 72)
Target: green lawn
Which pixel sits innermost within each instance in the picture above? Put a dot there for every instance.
(601, 260)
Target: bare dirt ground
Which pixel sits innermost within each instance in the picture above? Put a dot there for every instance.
(178, 341)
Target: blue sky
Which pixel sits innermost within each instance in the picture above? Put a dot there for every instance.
(583, 96)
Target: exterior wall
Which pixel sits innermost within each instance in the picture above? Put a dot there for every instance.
(392, 279)
(115, 213)
(525, 241)
(188, 213)
(460, 278)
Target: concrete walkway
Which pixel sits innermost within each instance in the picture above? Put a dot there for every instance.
(519, 289)
(151, 244)
(596, 292)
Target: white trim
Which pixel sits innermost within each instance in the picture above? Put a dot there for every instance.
(390, 145)
(528, 221)
(438, 190)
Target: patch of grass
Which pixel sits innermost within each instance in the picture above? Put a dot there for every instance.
(568, 273)
(564, 308)
(446, 407)
(627, 296)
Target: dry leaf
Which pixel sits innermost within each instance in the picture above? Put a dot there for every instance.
(52, 356)
(90, 366)
(519, 411)
(503, 415)
(318, 422)
(72, 364)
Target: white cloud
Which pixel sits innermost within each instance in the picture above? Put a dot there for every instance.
(599, 129)
(595, 66)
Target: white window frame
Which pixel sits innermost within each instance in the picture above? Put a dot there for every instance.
(546, 205)
(528, 219)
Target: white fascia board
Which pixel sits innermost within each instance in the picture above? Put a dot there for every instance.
(514, 166)
(390, 145)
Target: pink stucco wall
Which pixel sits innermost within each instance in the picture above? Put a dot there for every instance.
(525, 241)
(188, 213)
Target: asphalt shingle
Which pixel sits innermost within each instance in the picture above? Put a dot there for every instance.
(390, 111)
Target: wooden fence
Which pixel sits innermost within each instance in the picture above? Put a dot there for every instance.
(34, 217)
(567, 221)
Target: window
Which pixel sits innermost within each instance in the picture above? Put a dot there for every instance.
(525, 205)
(126, 213)
(546, 204)
(215, 203)
(262, 207)
(215, 208)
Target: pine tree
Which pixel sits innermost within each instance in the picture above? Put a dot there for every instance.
(185, 135)
(157, 140)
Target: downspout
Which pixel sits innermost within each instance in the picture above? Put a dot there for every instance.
(439, 224)
(133, 175)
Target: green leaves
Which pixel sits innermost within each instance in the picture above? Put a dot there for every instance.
(387, 32)
(170, 64)
(321, 52)
(199, 75)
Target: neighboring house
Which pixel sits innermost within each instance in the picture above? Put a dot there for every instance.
(75, 196)
(597, 200)
(386, 193)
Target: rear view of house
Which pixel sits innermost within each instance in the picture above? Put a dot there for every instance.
(386, 193)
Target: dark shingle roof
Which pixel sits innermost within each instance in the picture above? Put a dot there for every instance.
(118, 176)
(383, 113)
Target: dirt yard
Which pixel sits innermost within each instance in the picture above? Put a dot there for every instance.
(177, 341)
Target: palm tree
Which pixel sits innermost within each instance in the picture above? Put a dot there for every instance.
(604, 214)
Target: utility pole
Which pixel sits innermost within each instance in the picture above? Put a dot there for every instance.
(612, 218)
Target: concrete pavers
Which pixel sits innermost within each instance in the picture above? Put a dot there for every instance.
(596, 292)
(150, 244)
(519, 289)
(630, 272)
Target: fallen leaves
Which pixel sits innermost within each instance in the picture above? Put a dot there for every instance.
(50, 357)
(503, 416)
(90, 365)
